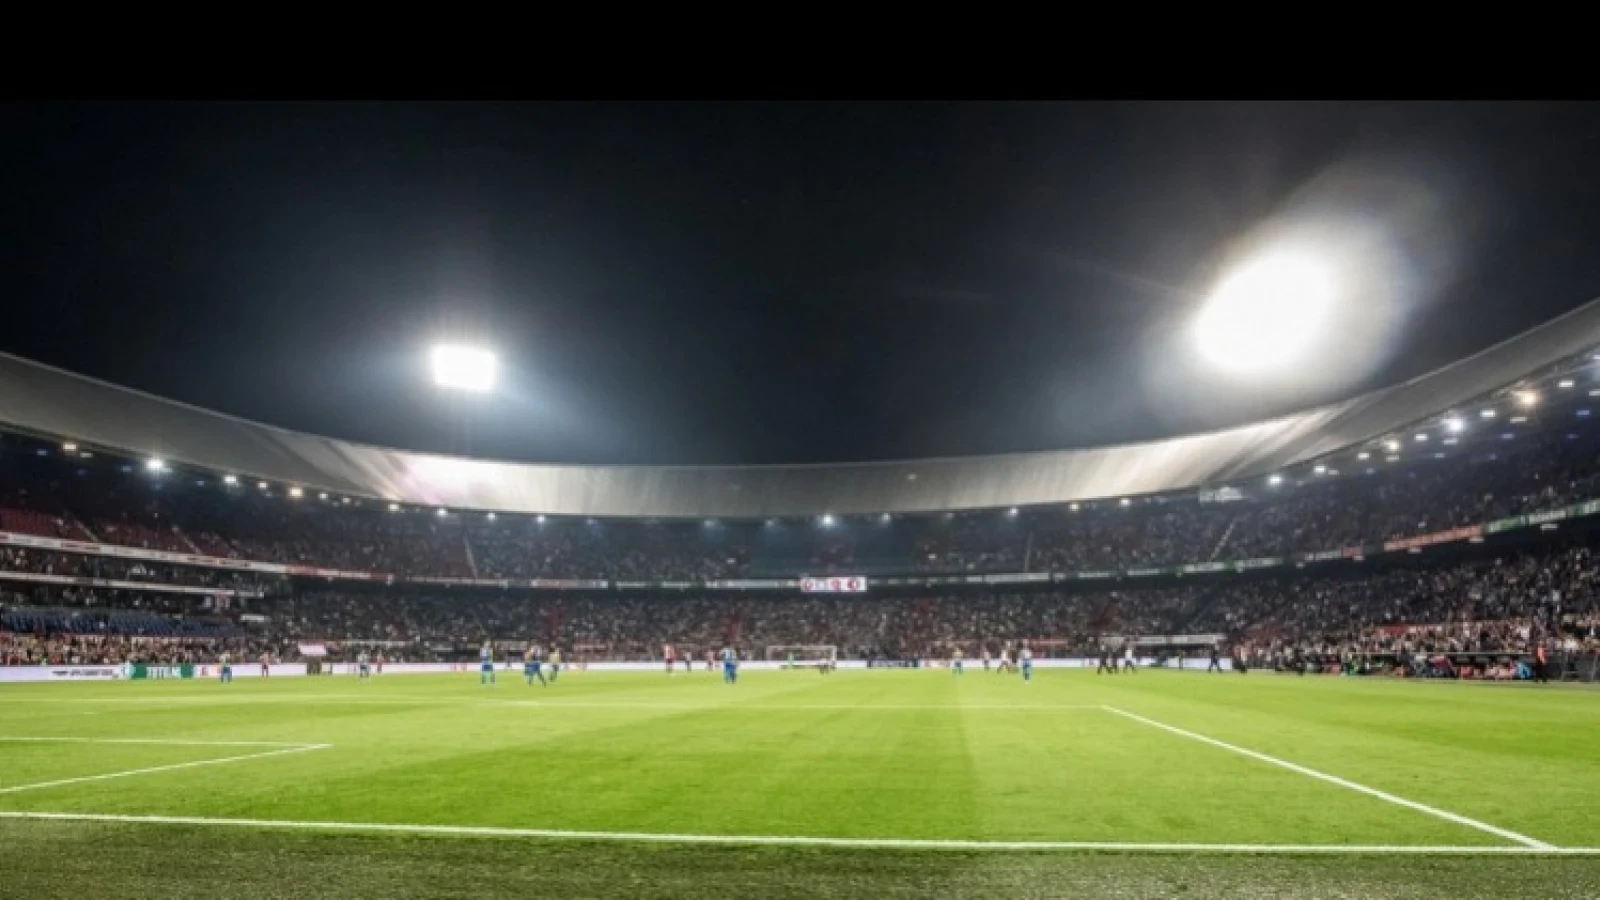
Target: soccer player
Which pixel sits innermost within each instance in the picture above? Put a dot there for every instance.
(1003, 661)
(379, 661)
(363, 665)
(1129, 662)
(486, 664)
(730, 666)
(955, 662)
(1026, 655)
(555, 664)
(986, 659)
(530, 666)
(666, 651)
(266, 665)
(1216, 660)
(226, 664)
(1107, 664)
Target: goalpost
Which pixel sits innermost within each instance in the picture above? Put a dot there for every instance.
(802, 654)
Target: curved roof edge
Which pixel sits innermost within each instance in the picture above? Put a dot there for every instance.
(48, 401)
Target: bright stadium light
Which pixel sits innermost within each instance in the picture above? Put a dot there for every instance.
(1454, 425)
(1266, 314)
(464, 368)
(296, 493)
(230, 479)
(1527, 398)
(155, 464)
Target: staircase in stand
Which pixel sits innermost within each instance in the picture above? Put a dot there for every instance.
(1223, 541)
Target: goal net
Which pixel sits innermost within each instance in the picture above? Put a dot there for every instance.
(802, 654)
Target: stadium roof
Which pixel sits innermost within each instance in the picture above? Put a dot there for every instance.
(42, 400)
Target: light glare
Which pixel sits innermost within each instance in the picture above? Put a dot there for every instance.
(464, 368)
(1266, 315)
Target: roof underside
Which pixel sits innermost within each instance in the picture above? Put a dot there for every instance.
(47, 401)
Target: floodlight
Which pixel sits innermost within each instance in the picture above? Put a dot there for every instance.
(69, 447)
(394, 507)
(464, 368)
(155, 464)
(1266, 315)
(1275, 480)
(1528, 398)
(1454, 425)
(296, 493)
(230, 479)
(828, 520)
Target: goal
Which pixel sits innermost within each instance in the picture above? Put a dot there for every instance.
(804, 654)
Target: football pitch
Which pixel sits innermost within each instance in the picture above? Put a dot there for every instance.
(792, 783)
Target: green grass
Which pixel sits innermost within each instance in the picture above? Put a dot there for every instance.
(911, 755)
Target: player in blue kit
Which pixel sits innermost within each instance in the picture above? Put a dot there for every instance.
(530, 666)
(226, 669)
(730, 666)
(955, 661)
(486, 664)
(1027, 663)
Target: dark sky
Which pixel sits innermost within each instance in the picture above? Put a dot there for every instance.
(756, 283)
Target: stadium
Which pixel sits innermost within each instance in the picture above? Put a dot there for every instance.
(1346, 652)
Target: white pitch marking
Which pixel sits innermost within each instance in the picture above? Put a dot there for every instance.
(160, 742)
(786, 707)
(149, 770)
(1340, 782)
(794, 841)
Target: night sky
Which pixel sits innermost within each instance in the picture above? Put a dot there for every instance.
(759, 283)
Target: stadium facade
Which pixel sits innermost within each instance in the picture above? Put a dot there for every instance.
(52, 403)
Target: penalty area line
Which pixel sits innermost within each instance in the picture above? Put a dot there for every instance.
(795, 841)
(156, 742)
(151, 770)
(1527, 842)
